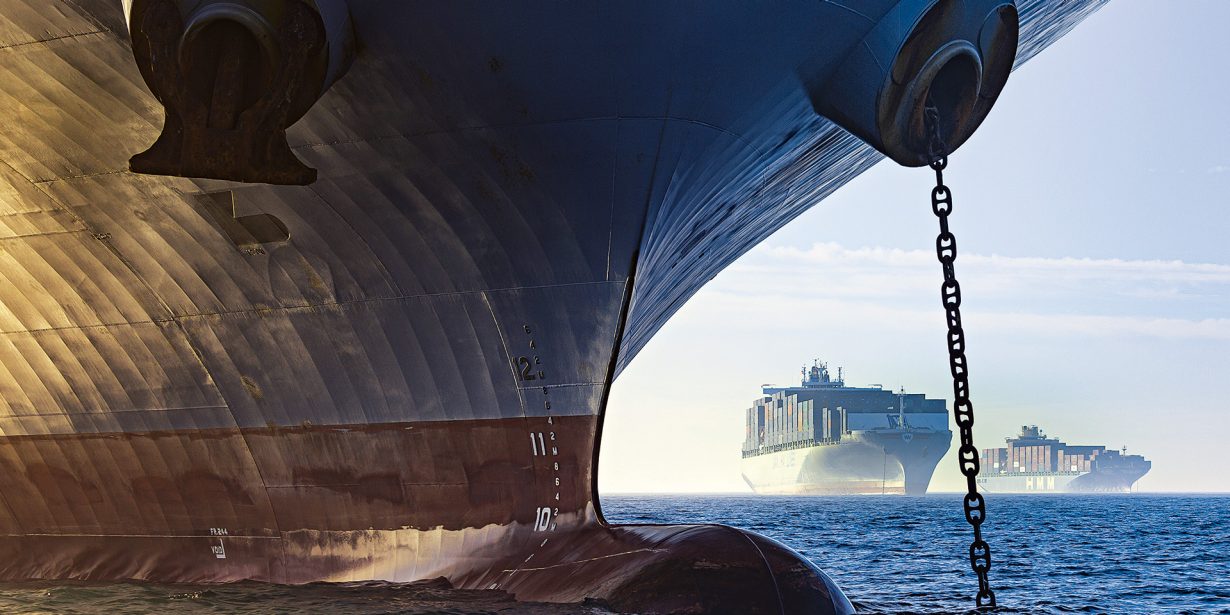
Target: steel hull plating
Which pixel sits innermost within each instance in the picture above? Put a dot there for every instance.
(867, 462)
(399, 371)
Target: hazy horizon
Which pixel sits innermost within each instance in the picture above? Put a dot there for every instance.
(1090, 212)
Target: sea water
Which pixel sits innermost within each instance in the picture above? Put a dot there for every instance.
(1121, 553)
(1129, 553)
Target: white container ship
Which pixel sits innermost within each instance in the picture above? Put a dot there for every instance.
(824, 438)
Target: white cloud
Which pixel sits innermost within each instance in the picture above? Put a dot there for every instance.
(831, 270)
(1067, 267)
(782, 287)
(785, 312)
(1112, 326)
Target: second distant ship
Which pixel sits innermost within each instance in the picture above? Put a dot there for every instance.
(1034, 463)
(824, 438)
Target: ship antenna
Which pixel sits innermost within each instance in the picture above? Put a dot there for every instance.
(901, 408)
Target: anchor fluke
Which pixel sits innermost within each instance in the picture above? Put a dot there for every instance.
(233, 75)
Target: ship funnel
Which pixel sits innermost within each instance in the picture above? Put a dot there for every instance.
(955, 54)
(232, 75)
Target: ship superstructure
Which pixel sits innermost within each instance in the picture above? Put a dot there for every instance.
(823, 437)
(1035, 463)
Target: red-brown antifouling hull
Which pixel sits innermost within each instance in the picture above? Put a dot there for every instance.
(291, 504)
(642, 569)
(364, 502)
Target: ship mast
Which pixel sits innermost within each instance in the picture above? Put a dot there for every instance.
(901, 408)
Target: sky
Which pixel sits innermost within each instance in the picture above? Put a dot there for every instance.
(1092, 213)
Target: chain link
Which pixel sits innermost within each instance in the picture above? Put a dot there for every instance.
(962, 408)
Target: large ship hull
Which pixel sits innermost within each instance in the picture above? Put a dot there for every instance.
(399, 371)
(865, 462)
(1118, 479)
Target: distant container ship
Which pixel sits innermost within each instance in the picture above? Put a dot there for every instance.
(824, 438)
(1033, 463)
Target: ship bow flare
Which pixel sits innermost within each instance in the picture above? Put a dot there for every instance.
(334, 290)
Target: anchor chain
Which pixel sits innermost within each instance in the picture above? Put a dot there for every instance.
(962, 408)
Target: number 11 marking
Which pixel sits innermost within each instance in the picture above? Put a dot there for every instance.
(538, 445)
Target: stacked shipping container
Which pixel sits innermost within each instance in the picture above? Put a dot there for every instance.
(784, 419)
(1039, 456)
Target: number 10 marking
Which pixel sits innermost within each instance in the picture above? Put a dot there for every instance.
(542, 520)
